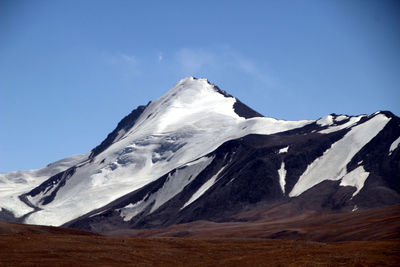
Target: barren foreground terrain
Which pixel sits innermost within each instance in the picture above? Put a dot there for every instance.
(365, 238)
(25, 245)
(367, 225)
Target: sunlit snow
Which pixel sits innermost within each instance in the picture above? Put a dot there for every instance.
(207, 185)
(282, 176)
(174, 184)
(352, 121)
(283, 150)
(187, 123)
(14, 184)
(341, 118)
(325, 121)
(394, 146)
(332, 164)
(355, 178)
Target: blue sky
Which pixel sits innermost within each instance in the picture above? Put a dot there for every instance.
(70, 70)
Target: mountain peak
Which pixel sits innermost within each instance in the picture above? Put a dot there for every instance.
(190, 90)
(196, 145)
(195, 88)
(191, 99)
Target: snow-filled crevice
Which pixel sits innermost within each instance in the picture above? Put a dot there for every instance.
(394, 146)
(173, 185)
(282, 177)
(332, 164)
(207, 185)
(355, 178)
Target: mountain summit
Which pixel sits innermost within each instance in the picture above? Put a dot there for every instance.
(198, 153)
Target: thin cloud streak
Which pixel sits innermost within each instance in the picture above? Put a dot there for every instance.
(129, 65)
(191, 61)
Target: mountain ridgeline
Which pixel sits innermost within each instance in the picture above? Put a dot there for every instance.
(198, 153)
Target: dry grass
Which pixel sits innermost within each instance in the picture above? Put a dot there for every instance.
(59, 249)
(369, 225)
(216, 244)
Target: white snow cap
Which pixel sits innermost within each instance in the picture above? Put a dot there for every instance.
(188, 122)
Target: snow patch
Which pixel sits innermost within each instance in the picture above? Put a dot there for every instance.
(355, 178)
(176, 182)
(131, 210)
(332, 164)
(341, 118)
(394, 146)
(97, 213)
(325, 121)
(282, 177)
(207, 185)
(283, 150)
(350, 123)
(172, 186)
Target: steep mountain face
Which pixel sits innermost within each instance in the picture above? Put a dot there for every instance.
(197, 153)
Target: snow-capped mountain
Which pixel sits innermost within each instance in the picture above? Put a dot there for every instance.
(199, 153)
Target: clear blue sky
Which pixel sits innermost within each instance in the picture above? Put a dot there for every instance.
(70, 70)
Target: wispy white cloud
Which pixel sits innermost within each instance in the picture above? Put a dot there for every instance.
(127, 64)
(118, 58)
(250, 67)
(216, 63)
(192, 61)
